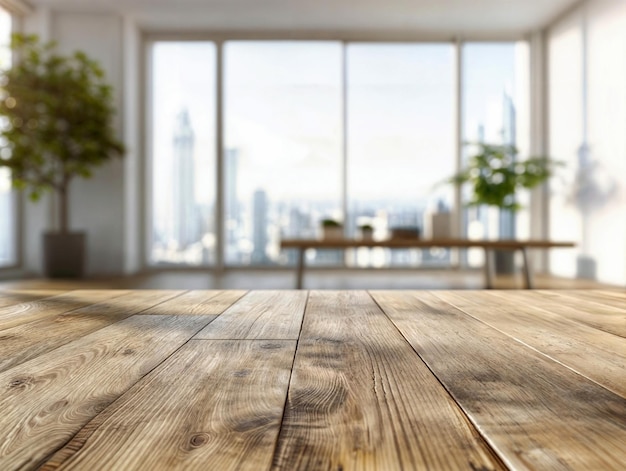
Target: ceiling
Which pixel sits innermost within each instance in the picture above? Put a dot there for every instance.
(437, 18)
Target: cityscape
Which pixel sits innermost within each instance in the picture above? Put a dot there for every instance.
(184, 228)
(282, 154)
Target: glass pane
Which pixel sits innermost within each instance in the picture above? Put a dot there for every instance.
(400, 145)
(182, 153)
(494, 104)
(282, 106)
(8, 242)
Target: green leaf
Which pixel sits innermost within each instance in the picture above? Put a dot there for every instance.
(58, 113)
(494, 175)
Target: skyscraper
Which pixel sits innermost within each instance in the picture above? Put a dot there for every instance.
(232, 175)
(233, 224)
(185, 214)
(259, 227)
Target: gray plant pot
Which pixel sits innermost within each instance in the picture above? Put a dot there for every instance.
(64, 254)
(504, 262)
(586, 267)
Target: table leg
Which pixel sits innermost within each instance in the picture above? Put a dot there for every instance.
(528, 277)
(300, 268)
(488, 269)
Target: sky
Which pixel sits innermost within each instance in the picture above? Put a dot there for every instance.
(283, 111)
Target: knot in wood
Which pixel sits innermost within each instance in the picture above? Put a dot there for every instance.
(199, 439)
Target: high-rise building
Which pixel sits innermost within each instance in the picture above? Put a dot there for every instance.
(259, 227)
(232, 175)
(185, 228)
(234, 223)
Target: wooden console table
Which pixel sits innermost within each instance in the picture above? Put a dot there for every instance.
(301, 245)
(313, 381)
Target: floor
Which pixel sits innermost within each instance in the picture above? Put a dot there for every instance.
(313, 279)
(312, 380)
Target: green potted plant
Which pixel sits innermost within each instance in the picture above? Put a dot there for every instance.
(332, 229)
(56, 113)
(494, 175)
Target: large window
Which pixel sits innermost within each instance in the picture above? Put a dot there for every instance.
(494, 105)
(8, 213)
(364, 133)
(182, 147)
(400, 143)
(283, 157)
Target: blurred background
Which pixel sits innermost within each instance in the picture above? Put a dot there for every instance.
(248, 122)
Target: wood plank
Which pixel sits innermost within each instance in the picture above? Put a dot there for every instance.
(197, 303)
(26, 341)
(615, 293)
(536, 413)
(45, 401)
(10, 297)
(260, 315)
(598, 355)
(233, 427)
(594, 297)
(360, 398)
(600, 316)
(39, 308)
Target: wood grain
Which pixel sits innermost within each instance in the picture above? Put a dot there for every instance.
(361, 399)
(260, 315)
(26, 341)
(197, 303)
(199, 426)
(9, 297)
(597, 297)
(45, 401)
(441, 380)
(598, 355)
(614, 293)
(600, 316)
(536, 413)
(38, 308)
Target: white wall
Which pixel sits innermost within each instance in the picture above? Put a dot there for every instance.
(588, 104)
(36, 216)
(606, 39)
(105, 206)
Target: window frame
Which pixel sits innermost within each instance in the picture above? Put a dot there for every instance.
(219, 39)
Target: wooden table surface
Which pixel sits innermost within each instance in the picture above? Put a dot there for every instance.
(407, 243)
(313, 380)
(488, 246)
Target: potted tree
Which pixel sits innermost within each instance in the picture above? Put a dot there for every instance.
(56, 124)
(495, 175)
